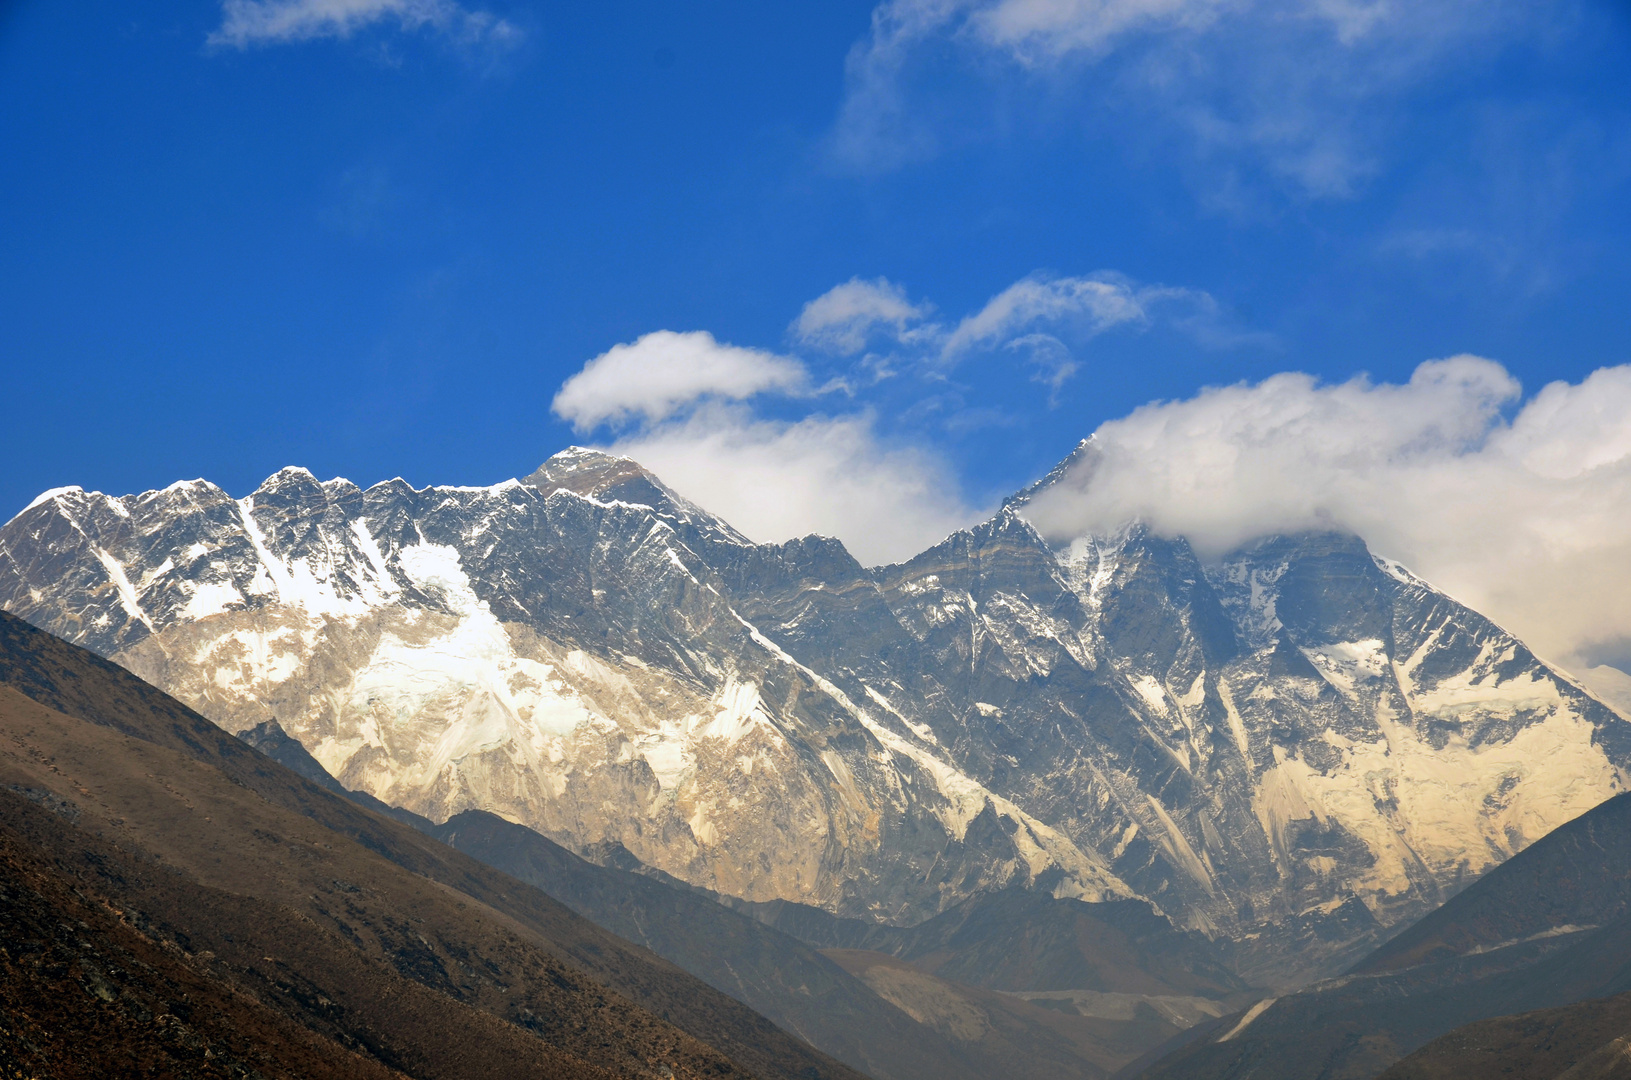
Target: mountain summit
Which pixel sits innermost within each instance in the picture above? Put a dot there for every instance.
(1303, 736)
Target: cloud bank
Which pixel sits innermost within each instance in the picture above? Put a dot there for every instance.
(275, 22)
(1525, 515)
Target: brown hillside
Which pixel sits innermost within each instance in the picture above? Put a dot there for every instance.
(1583, 1041)
(352, 925)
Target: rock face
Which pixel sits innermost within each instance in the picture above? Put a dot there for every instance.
(1304, 737)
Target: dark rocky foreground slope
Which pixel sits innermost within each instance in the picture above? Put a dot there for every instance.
(1589, 1040)
(1548, 930)
(177, 902)
(85, 994)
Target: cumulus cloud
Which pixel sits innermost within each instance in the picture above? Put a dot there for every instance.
(664, 372)
(274, 22)
(681, 400)
(1297, 85)
(683, 405)
(1525, 516)
(845, 317)
(833, 475)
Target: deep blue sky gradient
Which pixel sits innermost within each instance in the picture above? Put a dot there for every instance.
(382, 256)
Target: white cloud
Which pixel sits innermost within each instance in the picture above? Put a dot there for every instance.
(1039, 30)
(1528, 520)
(664, 372)
(1568, 431)
(833, 475)
(682, 404)
(845, 317)
(1298, 86)
(1092, 304)
(1050, 358)
(875, 128)
(1038, 318)
(274, 22)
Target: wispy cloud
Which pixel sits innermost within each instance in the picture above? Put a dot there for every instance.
(846, 317)
(1090, 304)
(1040, 31)
(1300, 87)
(1038, 314)
(245, 23)
(1050, 359)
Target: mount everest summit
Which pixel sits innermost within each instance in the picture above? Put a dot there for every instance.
(1289, 751)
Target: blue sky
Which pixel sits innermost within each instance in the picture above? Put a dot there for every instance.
(377, 237)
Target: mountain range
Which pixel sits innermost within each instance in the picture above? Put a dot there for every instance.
(168, 905)
(1287, 752)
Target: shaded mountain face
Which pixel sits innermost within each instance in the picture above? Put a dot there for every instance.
(1021, 941)
(197, 902)
(889, 1017)
(1289, 751)
(1147, 980)
(1525, 973)
(792, 984)
(1575, 878)
(1008, 1035)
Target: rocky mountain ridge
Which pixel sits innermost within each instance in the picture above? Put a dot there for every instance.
(1303, 739)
